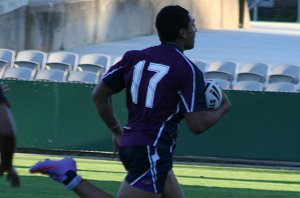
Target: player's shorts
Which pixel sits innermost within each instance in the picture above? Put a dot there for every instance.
(147, 167)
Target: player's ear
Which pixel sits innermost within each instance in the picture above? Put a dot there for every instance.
(182, 33)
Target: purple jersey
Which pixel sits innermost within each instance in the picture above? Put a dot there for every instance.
(161, 85)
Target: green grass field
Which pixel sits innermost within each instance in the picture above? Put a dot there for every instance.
(197, 180)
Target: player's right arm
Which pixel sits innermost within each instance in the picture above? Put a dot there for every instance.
(199, 122)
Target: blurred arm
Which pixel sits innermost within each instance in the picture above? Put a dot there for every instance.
(7, 138)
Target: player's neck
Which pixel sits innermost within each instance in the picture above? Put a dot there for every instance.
(178, 44)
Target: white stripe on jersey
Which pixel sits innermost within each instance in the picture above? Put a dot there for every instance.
(111, 72)
(194, 78)
(163, 126)
(184, 102)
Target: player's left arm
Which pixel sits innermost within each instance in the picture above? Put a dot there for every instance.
(103, 102)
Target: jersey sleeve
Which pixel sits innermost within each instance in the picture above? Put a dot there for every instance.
(192, 91)
(114, 78)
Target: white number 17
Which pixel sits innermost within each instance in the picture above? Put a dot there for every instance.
(160, 72)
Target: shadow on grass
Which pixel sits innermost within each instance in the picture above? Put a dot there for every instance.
(38, 186)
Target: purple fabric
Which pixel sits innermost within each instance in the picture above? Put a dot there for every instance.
(180, 90)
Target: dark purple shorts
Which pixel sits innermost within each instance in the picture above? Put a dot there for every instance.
(147, 167)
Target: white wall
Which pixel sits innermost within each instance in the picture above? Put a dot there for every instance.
(59, 24)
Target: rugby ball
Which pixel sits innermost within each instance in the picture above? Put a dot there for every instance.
(213, 94)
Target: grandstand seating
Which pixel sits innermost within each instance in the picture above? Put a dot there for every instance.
(281, 87)
(200, 64)
(70, 67)
(284, 73)
(32, 59)
(93, 62)
(224, 84)
(83, 77)
(53, 75)
(22, 73)
(220, 70)
(253, 72)
(248, 85)
(7, 58)
(117, 59)
(62, 61)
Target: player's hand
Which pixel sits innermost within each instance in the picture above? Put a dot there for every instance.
(116, 138)
(226, 104)
(116, 142)
(12, 177)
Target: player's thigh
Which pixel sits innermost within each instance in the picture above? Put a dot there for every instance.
(172, 188)
(128, 191)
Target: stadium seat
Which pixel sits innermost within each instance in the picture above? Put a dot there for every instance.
(253, 72)
(224, 84)
(115, 60)
(248, 86)
(22, 73)
(53, 75)
(62, 61)
(7, 58)
(200, 64)
(281, 87)
(93, 62)
(32, 59)
(284, 73)
(221, 70)
(83, 77)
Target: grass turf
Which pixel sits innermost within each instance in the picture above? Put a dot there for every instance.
(196, 180)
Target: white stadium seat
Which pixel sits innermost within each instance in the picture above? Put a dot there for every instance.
(54, 75)
(253, 72)
(33, 59)
(83, 77)
(224, 84)
(284, 73)
(117, 59)
(7, 58)
(93, 62)
(200, 64)
(62, 60)
(22, 73)
(248, 86)
(221, 70)
(281, 87)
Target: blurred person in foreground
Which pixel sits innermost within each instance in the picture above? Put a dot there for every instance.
(7, 140)
(162, 87)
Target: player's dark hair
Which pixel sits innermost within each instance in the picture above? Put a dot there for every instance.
(169, 21)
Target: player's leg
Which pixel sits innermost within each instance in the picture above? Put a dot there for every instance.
(127, 190)
(148, 169)
(64, 171)
(172, 188)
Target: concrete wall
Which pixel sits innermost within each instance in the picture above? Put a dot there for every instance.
(63, 116)
(51, 25)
